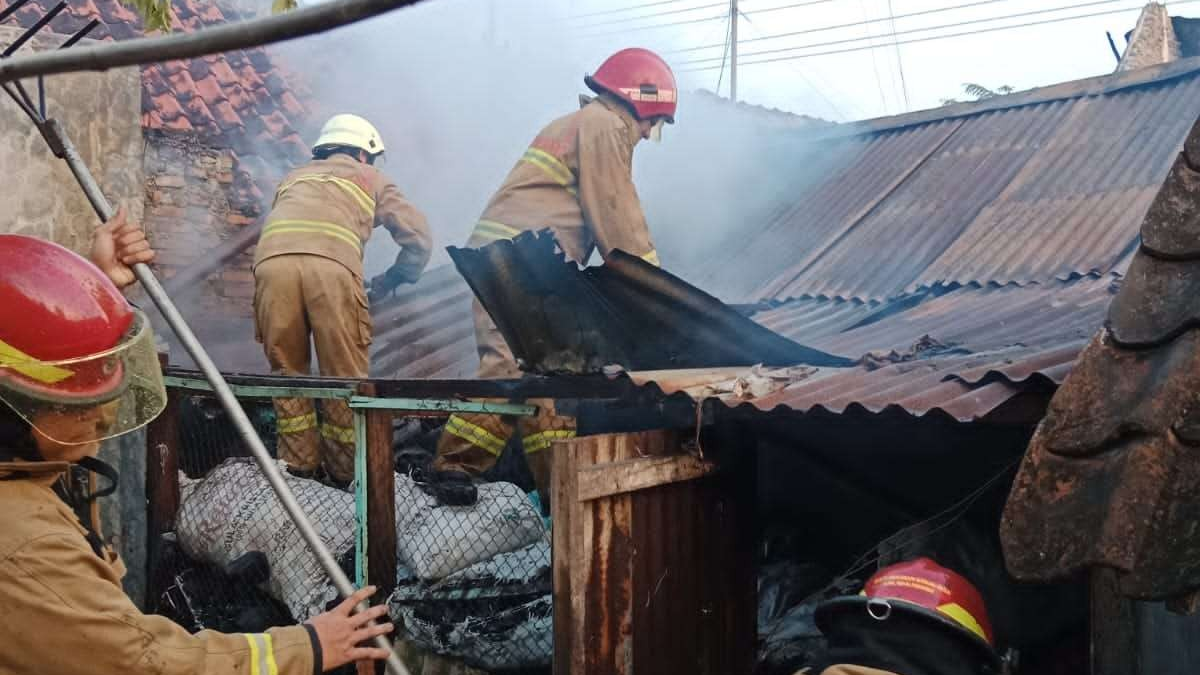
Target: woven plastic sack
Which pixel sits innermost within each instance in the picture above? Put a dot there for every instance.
(436, 541)
(233, 511)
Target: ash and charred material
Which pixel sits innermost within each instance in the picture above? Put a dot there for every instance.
(1112, 477)
(557, 317)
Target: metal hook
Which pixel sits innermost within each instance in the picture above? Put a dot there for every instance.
(879, 609)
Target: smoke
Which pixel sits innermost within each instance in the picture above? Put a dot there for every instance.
(459, 88)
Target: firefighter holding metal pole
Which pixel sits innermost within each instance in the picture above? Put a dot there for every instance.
(308, 272)
(78, 366)
(576, 179)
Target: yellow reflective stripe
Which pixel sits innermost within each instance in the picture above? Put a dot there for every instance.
(552, 166)
(543, 439)
(272, 667)
(312, 227)
(652, 258)
(255, 654)
(15, 359)
(364, 200)
(475, 435)
(294, 425)
(493, 231)
(337, 433)
(963, 617)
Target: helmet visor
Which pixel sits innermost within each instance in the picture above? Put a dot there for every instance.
(88, 399)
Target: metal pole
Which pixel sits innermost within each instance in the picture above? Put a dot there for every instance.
(62, 147)
(733, 46)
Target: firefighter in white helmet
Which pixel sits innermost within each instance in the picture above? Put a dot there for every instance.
(308, 273)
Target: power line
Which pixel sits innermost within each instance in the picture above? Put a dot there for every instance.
(940, 37)
(626, 9)
(926, 29)
(711, 18)
(874, 61)
(899, 61)
(864, 22)
(721, 75)
(803, 76)
(627, 19)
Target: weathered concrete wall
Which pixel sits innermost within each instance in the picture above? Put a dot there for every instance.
(1153, 40)
(102, 114)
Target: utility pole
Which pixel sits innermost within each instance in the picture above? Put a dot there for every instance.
(733, 40)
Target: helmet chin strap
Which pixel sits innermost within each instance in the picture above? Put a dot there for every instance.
(104, 470)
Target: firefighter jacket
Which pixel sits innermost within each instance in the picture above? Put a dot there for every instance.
(577, 180)
(63, 612)
(328, 207)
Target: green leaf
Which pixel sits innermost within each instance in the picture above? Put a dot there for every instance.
(281, 6)
(156, 14)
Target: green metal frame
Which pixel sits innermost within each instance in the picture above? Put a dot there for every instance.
(360, 404)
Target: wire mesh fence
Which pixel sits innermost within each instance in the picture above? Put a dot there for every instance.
(473, 576)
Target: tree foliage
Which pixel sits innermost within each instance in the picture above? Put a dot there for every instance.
(978, 92)
(157, 14)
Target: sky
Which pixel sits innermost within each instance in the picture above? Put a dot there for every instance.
(853, 84)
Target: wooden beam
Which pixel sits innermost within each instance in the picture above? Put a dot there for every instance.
(381, 499)
(1114, 643)
(614, 478)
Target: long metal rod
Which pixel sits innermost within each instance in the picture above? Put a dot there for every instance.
(221, 388)
(318, 18)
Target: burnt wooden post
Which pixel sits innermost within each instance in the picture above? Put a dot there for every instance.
(162, 484)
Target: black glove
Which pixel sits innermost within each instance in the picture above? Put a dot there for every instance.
(385, 284)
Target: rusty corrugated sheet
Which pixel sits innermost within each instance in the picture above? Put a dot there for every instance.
(1051, 186)
(425, 330)
(1112, 476)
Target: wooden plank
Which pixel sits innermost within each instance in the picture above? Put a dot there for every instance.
(1113, 627)
(381, 499)
(615, 478)
(162, 468)
(562, 506)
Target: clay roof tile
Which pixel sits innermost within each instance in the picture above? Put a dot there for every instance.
(224, 73)
(210, 90)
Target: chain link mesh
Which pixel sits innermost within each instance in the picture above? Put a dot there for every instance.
(473, 585)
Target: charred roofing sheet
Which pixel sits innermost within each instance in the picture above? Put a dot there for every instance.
(1111, 477)
(425, 330)
(1027, 188)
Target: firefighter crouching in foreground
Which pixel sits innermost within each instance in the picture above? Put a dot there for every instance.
(912, 618)
(308, 281)
(77, 366)
(576, 179)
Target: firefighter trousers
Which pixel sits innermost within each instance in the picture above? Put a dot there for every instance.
(473, 442)
(298, 297)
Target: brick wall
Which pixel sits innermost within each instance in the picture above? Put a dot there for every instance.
(197, 195)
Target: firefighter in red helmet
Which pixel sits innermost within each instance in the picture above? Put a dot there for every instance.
(575, 179)
(78, 365)
(911, 618)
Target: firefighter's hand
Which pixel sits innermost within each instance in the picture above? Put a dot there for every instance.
(340, 632)
(118, 245)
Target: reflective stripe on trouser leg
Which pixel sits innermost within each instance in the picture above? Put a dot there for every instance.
(538, 435)
(472, 443)
(296, 426)
(337, 439)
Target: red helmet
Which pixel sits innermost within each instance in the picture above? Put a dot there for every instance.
(922, 588)
(69, 339)
(641, 78)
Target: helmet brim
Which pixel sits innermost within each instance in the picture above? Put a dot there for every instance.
(828, 614)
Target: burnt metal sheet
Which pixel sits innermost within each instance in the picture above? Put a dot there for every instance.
(1051, 187)
(558, 317)
(1111, 478)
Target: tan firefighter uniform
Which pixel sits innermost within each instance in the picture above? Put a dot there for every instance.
(309, 281)
(577, 180)
(63, 612)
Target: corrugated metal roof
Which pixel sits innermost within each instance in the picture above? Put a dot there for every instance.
(1030, 188)
(425, 330)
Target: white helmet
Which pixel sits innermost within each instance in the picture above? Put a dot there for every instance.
(352, 131)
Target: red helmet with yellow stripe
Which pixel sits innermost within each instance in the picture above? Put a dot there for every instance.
(642, 79)
(922, 588)
(70, 340)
